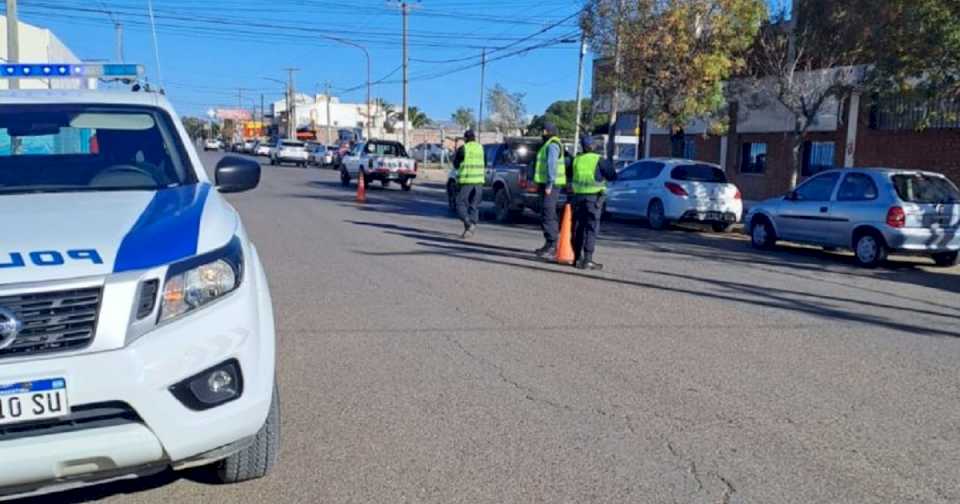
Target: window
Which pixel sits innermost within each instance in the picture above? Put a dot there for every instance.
(631, 172)
(857, 187)
(817, 157)
(490, 153)
(819, 188)
(699, 173)
(88, 148)
(690, 148)
(753, 158)
(649, 170)
(911, 113)
(925, 189)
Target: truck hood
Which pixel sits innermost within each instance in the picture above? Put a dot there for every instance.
(56, 236)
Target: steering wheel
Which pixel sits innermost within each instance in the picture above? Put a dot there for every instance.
(123, 169)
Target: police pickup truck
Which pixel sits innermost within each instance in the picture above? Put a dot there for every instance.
(136, 326)
(382, 160)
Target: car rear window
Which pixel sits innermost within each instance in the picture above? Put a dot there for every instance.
(929, 189)
(698, 173)
(291, 144)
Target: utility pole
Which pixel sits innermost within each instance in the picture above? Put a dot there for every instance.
(576, 134)
(326, 93)
(119, 28)
(291, 105)
(263, 115)
(405, 7)
(483, 74)
(13, 39)
(615, 104)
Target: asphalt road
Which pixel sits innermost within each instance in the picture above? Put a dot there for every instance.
(415, 367)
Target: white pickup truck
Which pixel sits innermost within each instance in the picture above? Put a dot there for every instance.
(382, 160)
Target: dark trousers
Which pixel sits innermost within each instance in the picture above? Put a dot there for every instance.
(587, 210)
(548, 216)
(468, 204)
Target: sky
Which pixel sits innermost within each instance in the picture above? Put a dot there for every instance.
(210, 48)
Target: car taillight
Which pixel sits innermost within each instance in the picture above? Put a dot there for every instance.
(896, 217)
(415, 166)
(676, 189)
(738, 195)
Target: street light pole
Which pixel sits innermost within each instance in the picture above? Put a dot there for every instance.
(291, 105)
(576, 134)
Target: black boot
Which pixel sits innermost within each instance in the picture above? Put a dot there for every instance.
(586, 263)
(547, 251)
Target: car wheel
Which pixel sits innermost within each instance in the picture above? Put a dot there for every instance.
(869, 249)
(406, 184)
(452, 196)
(256, 460)
(344, 178)
(501, 206)
(946, 259)
(762, 235)
(385, 183)
(273, 162)
(721, 227)
(656, 216)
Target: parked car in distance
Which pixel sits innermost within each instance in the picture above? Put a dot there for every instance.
(382, 160)
(428, 152)
(872, 211)
(669, 190)
(262, 148)
(211, 144)
(319, 155)
(248, 146)
(289, 151)
(509, 178)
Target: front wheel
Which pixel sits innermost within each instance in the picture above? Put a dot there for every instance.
(870, 250)
(946, 259)
(406, 184)
(656, 216)
(501, 202)
(256, 460)
(762, 235)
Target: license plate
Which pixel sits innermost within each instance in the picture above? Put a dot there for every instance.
(33, 400)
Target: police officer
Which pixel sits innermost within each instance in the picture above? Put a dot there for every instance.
(589, 174)
(470, 166)
(550, 175)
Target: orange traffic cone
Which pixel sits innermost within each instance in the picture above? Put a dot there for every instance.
(361, 188)
(565, 246)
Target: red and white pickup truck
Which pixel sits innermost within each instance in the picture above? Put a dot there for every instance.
(382, 160)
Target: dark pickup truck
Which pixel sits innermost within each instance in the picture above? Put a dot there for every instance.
(509, 177)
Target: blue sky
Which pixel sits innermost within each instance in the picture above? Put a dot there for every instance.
(209, 48)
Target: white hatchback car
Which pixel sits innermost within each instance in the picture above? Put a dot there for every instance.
(666, 190)
(136, 325)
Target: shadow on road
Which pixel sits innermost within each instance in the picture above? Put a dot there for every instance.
(117, 488)
(826, 307)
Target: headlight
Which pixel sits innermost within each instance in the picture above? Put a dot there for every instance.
(200, 280)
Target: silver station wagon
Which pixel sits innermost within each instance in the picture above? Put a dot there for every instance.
(872, 211)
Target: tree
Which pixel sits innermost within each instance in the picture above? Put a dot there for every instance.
(675, 55)
(917, 48)
(563, 115)
(418, 118)
(195, 126)
(506, 109)
(805, 64)
(464, 117)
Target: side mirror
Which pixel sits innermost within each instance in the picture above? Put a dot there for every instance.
(236, 174)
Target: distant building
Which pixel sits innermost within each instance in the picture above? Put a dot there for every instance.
(311, 112)
(40, 45)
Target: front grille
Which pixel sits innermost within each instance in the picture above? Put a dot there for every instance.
(53, 321)
(88, 416)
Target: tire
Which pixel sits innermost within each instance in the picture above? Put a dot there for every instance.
(344, 178)
(946, 259)
(501, 207)
(385, 183)
(273, 162)
(406, 184)
(762, 235)
(721, 227)
(256, 460)
(656, 217)
(869, 249)
(452, 196)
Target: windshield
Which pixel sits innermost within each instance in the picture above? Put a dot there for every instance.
(699, 173)
(929, 189)
(386, 149)
(46, 148)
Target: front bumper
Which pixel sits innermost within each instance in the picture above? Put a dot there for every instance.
(240, 326)
(923, 240)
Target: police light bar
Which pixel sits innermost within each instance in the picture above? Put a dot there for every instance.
(71, 71)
